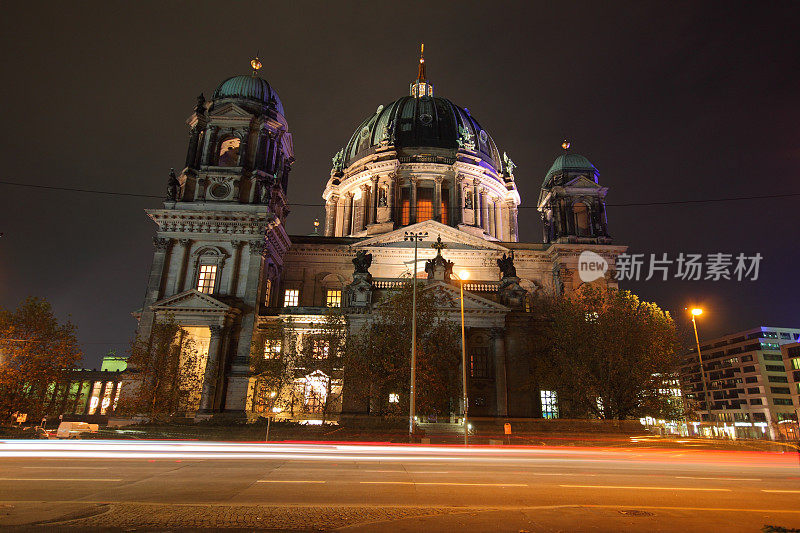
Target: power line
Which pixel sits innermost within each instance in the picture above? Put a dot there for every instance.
(299, 204)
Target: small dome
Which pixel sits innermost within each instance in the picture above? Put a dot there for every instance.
(571, 163)
(425, 122)
(248, 88)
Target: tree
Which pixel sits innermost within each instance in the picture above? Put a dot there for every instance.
(377, 361)
(607, 354)
(168, 373)
(35, 349)
(272, 360)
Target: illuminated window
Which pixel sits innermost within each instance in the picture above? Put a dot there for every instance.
(291, 297)
(229, 153)
(549, 404)
(405, 207)
(445, 207)
(94, 401)
(333, 298)
(206, 278)
(394, 397)
(116, 397)
(272, 349)
(424, 204)
(796, 364)
(106, 402)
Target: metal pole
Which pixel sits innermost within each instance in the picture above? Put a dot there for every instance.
(412, 400)
(464, 366)
(269, 419)
(702, 371)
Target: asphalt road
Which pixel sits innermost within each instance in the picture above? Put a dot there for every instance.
(148, 484)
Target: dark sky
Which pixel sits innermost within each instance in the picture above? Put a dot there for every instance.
(671, 101)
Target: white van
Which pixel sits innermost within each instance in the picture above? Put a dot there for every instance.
(73, 430)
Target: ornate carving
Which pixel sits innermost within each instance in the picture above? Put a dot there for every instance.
(506, 265)
(338, 160)
(382, 202)
(387, 137)
(161, 244)
(362, 261)
(466, 139)
(259, 247)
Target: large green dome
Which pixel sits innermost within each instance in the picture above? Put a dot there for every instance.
(249, 88)
(424, 122)
(571, 163)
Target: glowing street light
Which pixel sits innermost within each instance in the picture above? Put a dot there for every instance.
(462, 276)
(415, 237)
(696, 311)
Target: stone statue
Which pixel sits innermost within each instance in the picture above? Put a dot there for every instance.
(465, 138)
(200, 107)
(362, 262)
(468, 200)
(382, 197)
(388, 132)
(263, 190)
(338, 160)
(173, 186)
(509, 164)
(507, 267)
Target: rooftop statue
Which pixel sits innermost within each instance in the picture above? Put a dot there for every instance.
(362, 261)
(506, 264)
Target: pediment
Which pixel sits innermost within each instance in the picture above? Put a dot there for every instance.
(192, 300)
(452, 237)
(582, 182)
(230, 110)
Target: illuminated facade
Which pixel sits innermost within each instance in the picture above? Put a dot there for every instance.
(421, 163)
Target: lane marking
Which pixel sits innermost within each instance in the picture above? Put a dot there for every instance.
(645, 488)
(781, 491)
(287, 481)
(55, 479)
(721, 478)
(411, 471)
(443, 483)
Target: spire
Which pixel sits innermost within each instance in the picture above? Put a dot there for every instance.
(421, 74)
(421, 86)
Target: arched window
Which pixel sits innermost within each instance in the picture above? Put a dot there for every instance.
(208, 269)
(581, 213)
(229, 152)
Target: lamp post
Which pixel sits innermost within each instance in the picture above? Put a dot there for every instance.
(695, 313)
(462, 276)
(412, 405)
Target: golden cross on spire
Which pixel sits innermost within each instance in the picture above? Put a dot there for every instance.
(565, 144)
(421, 74)
(438, 245)
(256, 64)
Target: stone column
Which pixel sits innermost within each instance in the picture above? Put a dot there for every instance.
(212, 368)
(500, 381)
(490, 210)
(237, 263)
(437, 198)
(412, 219)
(191, 152)
(180, 275)
(498, 220)
(512, 222)
(458, 203)
(211, 141)
(154, 285)
(330, 214)
(348, 214)
(366, 208)
(391, 197)
(484, 211)
(373, 209)
(476, 205)
(242, 162)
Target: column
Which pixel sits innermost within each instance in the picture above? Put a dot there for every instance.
(211, 141)
(458, 201)
(390, 197)
(242, 162)
(237, 262)
(511, 222)
(191, 152)
(366, 208)
(330, 214)
(437, 198)
(412, 219)
(500, 372)
(490, 209)
(476, 205)
(498, 220)
(180, 275)
(210, 374)
(373, 210)
(484, 211)
(154, 283)
(513, 228)
(348, 214)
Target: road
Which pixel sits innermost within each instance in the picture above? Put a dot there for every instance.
(188, 484)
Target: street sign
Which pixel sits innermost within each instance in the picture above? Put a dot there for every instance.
(507, 428)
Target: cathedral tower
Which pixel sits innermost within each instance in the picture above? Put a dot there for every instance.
(220, 236)
(572, 202)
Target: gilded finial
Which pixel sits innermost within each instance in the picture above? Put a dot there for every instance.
(565, 144)
(256, 64)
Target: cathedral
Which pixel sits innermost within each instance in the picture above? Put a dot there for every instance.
(419, 190)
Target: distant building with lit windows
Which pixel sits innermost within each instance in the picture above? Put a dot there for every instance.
(748, 381)
(226, 269)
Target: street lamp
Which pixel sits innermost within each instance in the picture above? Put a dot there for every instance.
(462, 276)
(412, 405)
(695, 313)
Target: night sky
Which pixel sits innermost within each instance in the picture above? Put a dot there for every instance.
(670, 101)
